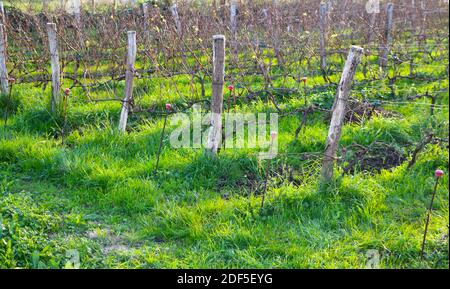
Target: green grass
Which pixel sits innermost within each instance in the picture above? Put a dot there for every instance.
(96, 192)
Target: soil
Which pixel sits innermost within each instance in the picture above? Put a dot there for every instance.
(373, 158)
(359, 111)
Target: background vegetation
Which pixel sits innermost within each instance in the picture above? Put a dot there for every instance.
(71, 181)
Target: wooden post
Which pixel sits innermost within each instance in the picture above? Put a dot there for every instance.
(385, 46)
(54, 58)
(413, 17)
(373, 8)
(76, 10)
(2, 13)
(323, 31)
(129, 74)
(215, 132)
(146, 19)
(337, 120)
(233, 22)
(233, 14)
(176, 18)
(93, 6)
(78, 24)
(372, 28)
(3, 70)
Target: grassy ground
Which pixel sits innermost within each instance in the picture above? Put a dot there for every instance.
(96, 192)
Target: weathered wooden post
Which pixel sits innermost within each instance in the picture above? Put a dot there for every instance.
(215, 131)
(54, 58)
(146, 19)
(372, 8)
(129, 74)
(2, 13)
(76, 6)
(176, 18)
(233, 16)
(77, 11)
(337, 120)
(233, 22)
(372, 28)
(323, 32)
(385, 46)
(413, 17)
(3, 69)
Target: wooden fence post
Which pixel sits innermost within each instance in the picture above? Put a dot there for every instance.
(2, 13)
(233, 22)
(339, 107)
(54, 58)
(78, 24)
(146, 18)
(3, 69)
(176, 18)
(413, 17)
(385, 46)
(129, 74)
(373, 9)
(215, 132)
(372, 28)
(77, 11)
(323, 31)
